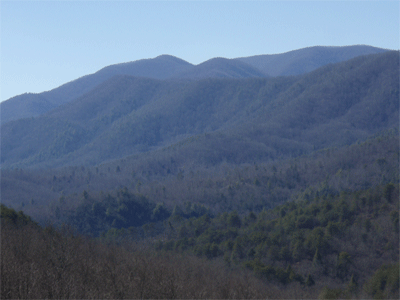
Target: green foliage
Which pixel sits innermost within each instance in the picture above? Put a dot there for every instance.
(334, 228)
(96, 215)
(316, 239)
(269, 243)
(395, 219)
(309, 281)
(328, 293)
(273, 240)
(317, 259)
(234, 220)
(10, 216)
(388, 192)
(352, 286)
(159, 212)
(306, 222)
(228, 216)
(384, 284)
(343, 264)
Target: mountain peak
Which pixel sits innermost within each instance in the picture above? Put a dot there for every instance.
(166, 66)
(220, 67)
(170, 57)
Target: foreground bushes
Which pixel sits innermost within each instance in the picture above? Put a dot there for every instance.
(350, 253)
(47, 263)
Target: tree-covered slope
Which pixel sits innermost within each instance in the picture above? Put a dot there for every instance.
(251, 119)
(32, 105)
(307, 59)
(327, 246)
(278, 188)
(166, 66)
(348, 243)
(179, 176)
(221, 68)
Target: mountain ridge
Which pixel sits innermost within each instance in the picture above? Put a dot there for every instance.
(126, 115)
(220, 67)
(161, 67)
(305, 60)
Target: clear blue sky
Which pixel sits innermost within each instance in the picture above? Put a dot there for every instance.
(47, 43)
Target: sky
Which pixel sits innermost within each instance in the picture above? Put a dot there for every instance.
(44, 44)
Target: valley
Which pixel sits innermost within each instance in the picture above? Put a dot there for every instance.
(278, 174)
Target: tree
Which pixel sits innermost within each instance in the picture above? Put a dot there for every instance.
(388, 192)
(317, 260)
(351, 286)
(343, 264)
(234, 220)
(159, 213)
(309, 281)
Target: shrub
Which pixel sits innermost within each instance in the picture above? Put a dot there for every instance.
(384, 284)
(328, 293)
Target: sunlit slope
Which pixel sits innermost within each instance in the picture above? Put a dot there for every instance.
(307, 59)
(166, 66)
(332, 106)
(32, 105)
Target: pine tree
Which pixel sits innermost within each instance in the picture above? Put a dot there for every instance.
(309, 281)
(317, 260)
(351, 286)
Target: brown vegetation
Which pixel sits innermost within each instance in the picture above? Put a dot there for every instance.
(40, 264)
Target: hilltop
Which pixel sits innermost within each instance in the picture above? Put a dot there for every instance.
(167, 66)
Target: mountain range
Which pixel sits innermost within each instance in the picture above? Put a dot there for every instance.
(169, 67)
(286, 165)
(242, 113)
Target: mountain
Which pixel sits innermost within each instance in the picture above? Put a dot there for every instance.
(32, 105)
(307, 59)
(25, 106)
(283, 186)
(221, 68)
(247, 120)
(161, 67)
(166, 66)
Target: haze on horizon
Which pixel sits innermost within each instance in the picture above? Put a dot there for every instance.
(45, 44)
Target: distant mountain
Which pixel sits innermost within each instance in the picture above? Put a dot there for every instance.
(234, 120)
(25, 106)
(221, 68)
(31, 105)
(307, 59)
(161, 67)
(168, 67)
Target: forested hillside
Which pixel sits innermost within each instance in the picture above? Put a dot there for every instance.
(221, 68)
(167, 66)
(173, 177)
(279, 117)
(161, 179)
(32, 105)
(343, 246)
(306, 60)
